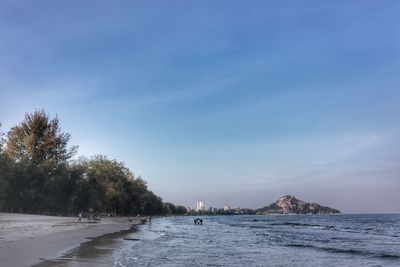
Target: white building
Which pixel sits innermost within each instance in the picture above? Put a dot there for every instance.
(200, 206)
(227, 207)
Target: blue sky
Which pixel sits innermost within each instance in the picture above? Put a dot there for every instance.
(225, 101)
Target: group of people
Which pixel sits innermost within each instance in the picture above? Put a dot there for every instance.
(198, 221)
(89, 215)
(141, 219)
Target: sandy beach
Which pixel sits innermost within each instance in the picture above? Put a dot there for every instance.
(26, 240)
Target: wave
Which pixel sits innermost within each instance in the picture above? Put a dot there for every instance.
(293, 224)
(258, 225)
(364, 231)
(348, 251)
(304, 225)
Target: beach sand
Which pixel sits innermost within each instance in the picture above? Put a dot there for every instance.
(27, 240)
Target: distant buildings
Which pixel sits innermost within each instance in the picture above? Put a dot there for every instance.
(200, 206)
(200, 209)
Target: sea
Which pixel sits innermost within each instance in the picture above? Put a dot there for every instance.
(287, 240)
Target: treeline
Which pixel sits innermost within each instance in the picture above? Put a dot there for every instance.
(38, 175)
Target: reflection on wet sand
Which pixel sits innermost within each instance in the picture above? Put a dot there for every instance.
(97, 251)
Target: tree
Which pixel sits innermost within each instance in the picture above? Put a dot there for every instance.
(1, 139)
(181, 210)
(169, 208)
(151, 204)
(112, 188)
(38, 171)
(38, 140)
(37, 175)
(108, 181)
(3, 171)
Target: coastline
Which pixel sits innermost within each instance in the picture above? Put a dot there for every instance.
(28, 240)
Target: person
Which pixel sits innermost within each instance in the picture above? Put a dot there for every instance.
(198, 221)
(80, 217)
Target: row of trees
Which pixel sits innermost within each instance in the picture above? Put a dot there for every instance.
(38, 175)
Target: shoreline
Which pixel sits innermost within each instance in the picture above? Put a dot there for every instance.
(28, 240)
(97, 251)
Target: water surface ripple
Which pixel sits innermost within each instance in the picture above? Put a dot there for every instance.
(332, 240)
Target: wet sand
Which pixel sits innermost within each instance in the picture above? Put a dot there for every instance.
(27, 240)
(99, 251)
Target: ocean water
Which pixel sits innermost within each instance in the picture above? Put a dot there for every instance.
(331, 240)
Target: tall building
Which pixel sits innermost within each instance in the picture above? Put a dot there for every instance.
(200, 206)
(227, 207)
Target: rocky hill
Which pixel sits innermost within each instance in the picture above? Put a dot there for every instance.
(291, 205)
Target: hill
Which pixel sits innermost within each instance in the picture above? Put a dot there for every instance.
(290, 205)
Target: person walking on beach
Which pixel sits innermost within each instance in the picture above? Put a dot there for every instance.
(80, 217)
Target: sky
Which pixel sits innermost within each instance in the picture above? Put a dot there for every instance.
(228, 102)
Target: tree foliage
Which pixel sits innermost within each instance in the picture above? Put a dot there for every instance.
(171, 209)
(39, 140)
(3, 170)
(37, 175)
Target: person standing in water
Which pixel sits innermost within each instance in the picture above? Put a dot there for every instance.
(80, 217)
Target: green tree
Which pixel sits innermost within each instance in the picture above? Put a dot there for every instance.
(37, 175)
(3, 172)
(108, 180)
(151, 204)
(39, 141)
(38, 152)
(112, 188)
(181, 210)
